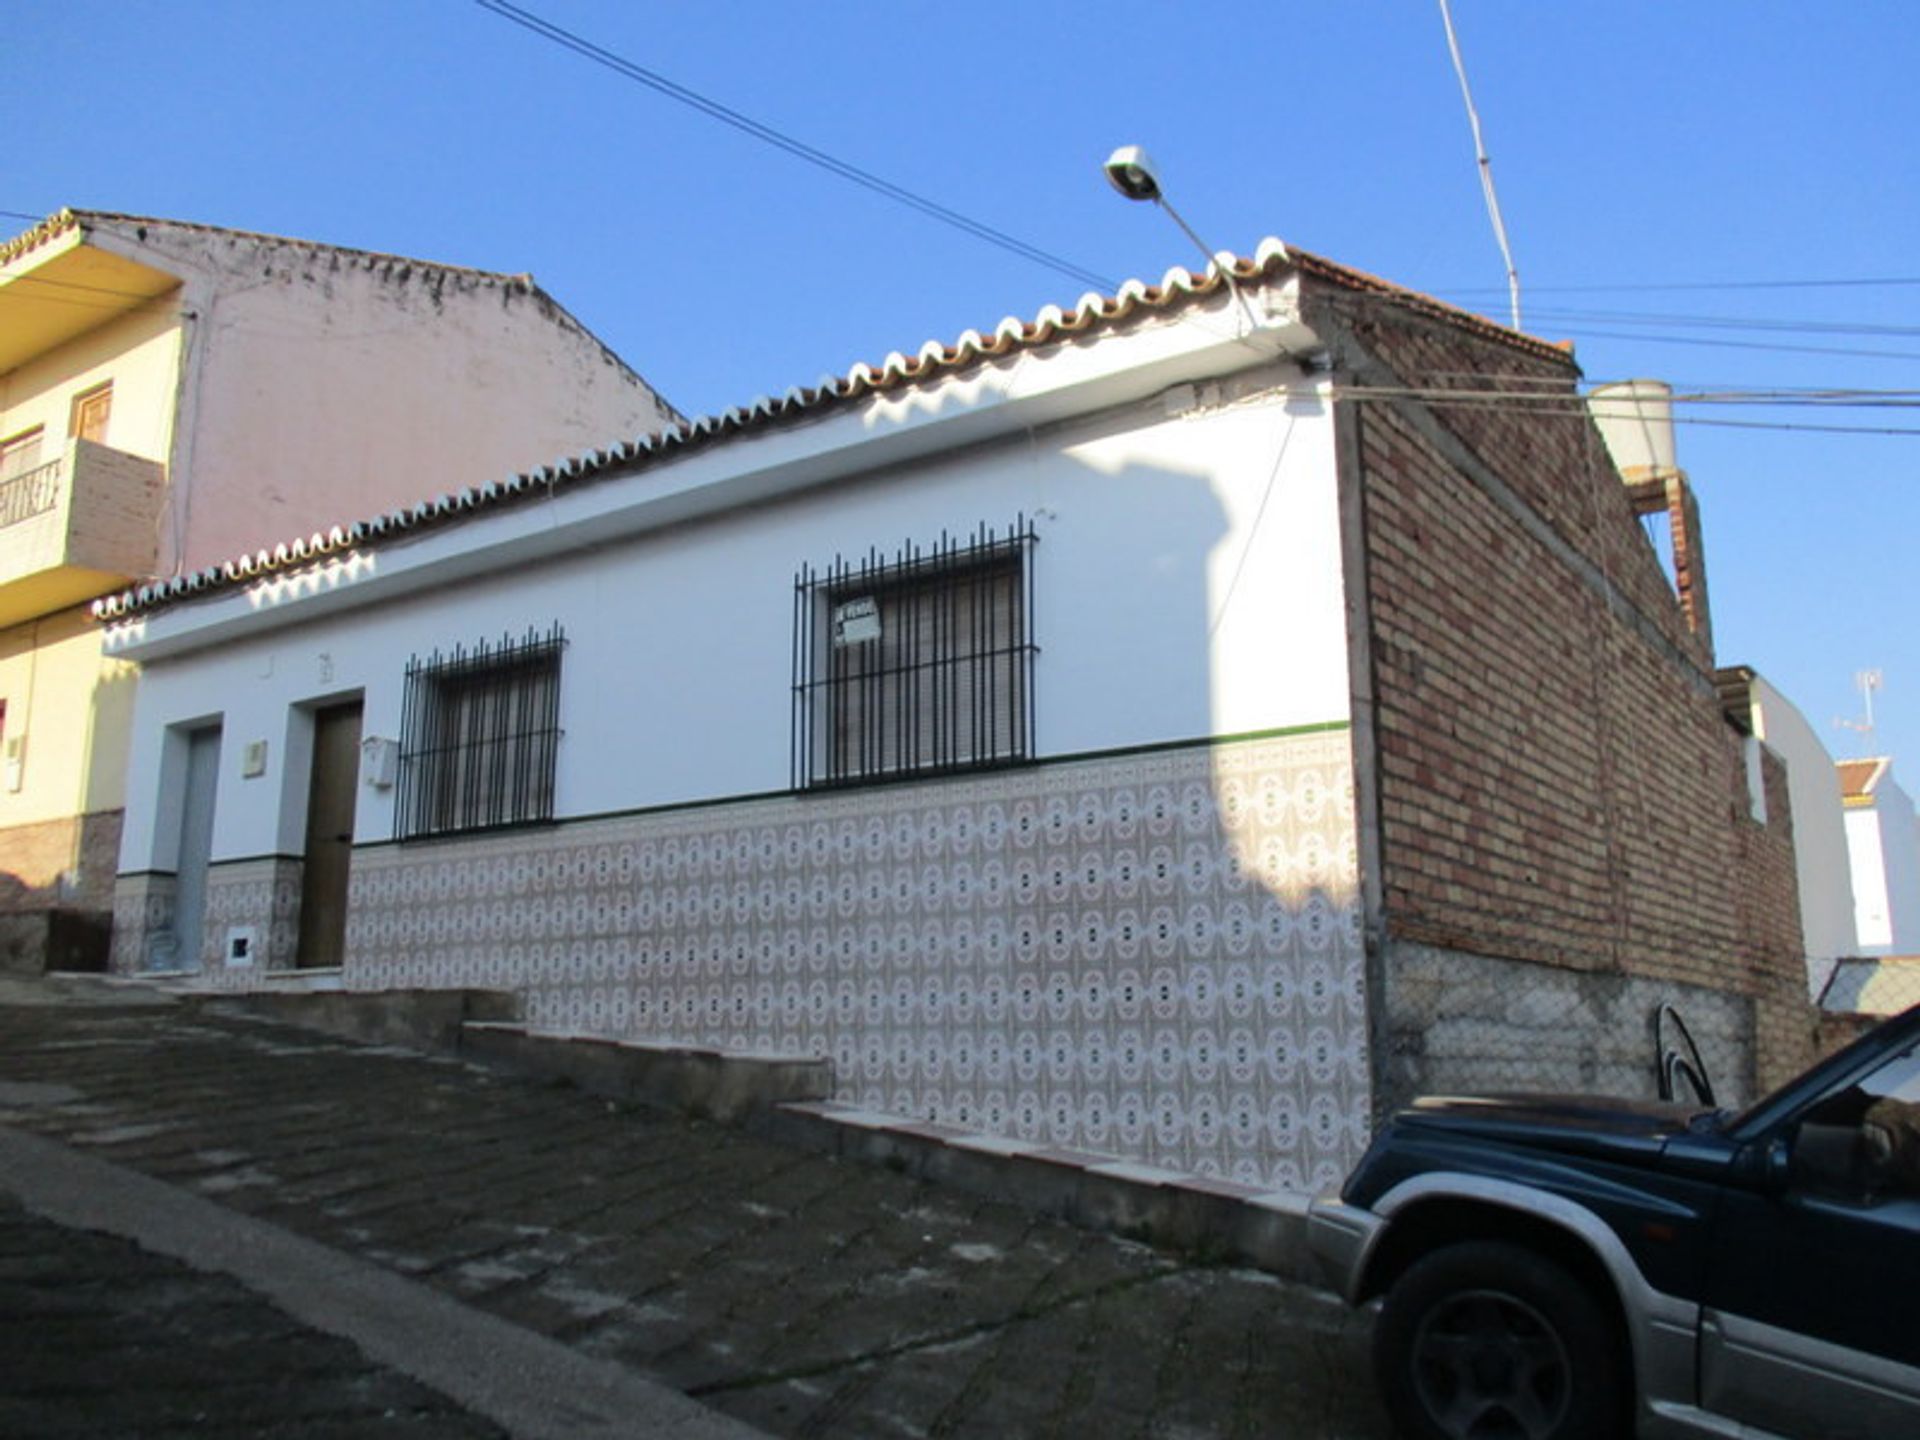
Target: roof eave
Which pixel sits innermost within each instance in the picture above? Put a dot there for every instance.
(686, 481)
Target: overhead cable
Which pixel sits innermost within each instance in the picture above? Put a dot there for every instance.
(799, 149)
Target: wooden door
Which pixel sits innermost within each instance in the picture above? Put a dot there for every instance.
(330, 799)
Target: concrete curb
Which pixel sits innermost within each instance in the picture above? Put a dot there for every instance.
(419, 1019)
(484, 1026)
(786, 1099)
(1214, 1219)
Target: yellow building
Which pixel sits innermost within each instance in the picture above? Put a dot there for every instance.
(173, 396)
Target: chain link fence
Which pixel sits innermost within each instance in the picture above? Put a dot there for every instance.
(1873, 985)
(1469, 1025)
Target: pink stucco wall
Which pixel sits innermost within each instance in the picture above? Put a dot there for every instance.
(324, 386)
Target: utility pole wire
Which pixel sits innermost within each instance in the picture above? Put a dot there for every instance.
(799, 149)
(1486, 166)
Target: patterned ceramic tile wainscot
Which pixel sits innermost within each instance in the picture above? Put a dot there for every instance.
(1156, 956)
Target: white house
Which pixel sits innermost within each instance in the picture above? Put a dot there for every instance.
(1098, 731)
(1822, 865)
(172, 394)
(1884, 847)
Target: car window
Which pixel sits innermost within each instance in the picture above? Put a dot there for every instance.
(1862, 1144)
(1768, 1111)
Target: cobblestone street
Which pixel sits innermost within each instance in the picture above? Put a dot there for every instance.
(105, 1339)
(798, 1293)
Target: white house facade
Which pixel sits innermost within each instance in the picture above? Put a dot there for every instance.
(1883, 843)
(1822, 865)
(1171, 729)
(1036, 815)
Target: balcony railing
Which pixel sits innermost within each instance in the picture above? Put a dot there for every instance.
(75, 527)
(31, 492)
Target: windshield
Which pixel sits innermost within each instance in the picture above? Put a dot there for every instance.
(1763, 1113)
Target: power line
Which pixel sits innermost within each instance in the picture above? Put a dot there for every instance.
(1733, 322)
(1641, 286)
(1750, 345)
(1727, 322)
(1570, 406)
(1357, 300)
(52, 283)
(799, 149)
(1442, 291)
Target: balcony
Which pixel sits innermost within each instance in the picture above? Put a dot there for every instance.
(78, 526)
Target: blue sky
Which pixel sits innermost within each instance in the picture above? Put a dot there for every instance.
(1649, 148)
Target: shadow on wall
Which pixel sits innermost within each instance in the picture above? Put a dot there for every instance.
(103, 779)
(41, 929)
(56, 887)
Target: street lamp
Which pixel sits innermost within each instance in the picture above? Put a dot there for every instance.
(1131, 171)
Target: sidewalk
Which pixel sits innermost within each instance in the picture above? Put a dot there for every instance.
(798, 1293)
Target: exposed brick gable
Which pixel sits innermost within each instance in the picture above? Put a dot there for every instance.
(1555, 780)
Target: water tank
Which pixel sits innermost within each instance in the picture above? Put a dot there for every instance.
(1636, 420)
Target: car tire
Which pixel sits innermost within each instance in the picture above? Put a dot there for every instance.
(1486, 1341)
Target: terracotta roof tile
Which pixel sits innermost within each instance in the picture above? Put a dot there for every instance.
(1178, 289)
(50, 228)
(1858, 778)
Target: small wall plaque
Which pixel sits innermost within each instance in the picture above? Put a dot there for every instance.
(856, 620)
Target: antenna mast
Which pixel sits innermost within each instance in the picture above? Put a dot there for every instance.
(1486, 165)
(1866, 682)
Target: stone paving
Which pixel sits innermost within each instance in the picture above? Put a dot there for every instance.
(804, 1295)
(103, 1339)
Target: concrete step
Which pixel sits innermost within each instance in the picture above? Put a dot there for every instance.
(727, 1086)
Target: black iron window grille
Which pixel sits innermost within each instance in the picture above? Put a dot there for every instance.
(480, 732)
(916, 664)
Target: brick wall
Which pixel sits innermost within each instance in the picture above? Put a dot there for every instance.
(111, 523)
(66, 861)
(56, 892)
(1556, 783)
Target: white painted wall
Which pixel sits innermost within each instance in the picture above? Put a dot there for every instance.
(1872, 922)
(1822, 864)
(1884, 846)
(1187, 583)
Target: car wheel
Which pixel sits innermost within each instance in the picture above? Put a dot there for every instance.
(1485, 1341)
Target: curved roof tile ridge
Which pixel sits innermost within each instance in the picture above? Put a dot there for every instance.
(1177, 287)
(38, 234)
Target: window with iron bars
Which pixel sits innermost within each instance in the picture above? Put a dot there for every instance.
(915, 664)
(480, 733)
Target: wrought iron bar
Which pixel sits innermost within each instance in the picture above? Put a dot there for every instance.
(31, 492)
(946, 681)
(480, 733)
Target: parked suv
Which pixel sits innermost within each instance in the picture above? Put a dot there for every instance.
(1577, 1267)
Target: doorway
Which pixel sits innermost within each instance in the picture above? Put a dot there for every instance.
(331, 792)
(196, 850)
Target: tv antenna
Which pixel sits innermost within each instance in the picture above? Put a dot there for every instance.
(1866, 682)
